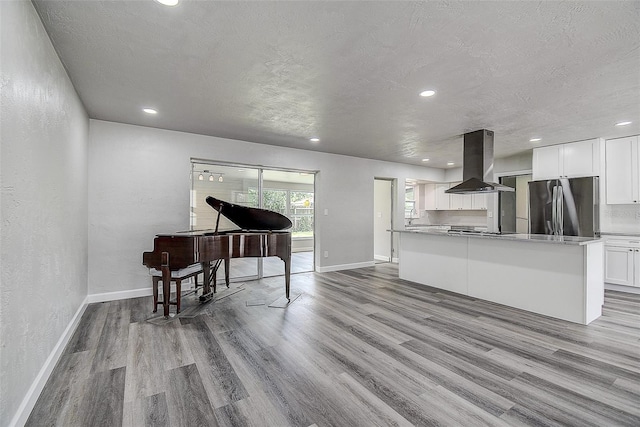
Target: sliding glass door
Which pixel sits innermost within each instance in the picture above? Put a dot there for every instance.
(291, 194)
(287, 192)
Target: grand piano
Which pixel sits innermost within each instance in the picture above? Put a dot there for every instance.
(262, 233)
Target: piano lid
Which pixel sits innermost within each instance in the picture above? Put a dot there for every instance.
(249, 218)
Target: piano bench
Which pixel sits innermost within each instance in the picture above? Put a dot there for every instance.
(177, 277)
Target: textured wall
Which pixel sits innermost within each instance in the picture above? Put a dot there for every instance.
(44, 133)
(139, 186)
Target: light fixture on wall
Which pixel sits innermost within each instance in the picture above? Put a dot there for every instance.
(211, 174)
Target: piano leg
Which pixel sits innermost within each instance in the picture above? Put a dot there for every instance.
(287, 276)
(166, 283)
(206, 286)
(226, 271)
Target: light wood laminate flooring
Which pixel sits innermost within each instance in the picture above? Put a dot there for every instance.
(357, 348)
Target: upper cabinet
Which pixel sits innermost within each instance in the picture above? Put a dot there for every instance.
(546, 162)
(442, 198)
(622, 159)
(435, 198)
(459, 201)
(479, 201)
(429, 196)
(571, 160)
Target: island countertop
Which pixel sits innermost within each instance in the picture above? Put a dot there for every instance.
(539, 238)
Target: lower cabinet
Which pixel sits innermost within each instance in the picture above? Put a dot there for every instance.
(622, 263)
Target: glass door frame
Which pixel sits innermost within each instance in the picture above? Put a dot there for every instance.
(260, 169)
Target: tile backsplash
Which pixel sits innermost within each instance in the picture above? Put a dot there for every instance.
(458, 217)
(620, 219)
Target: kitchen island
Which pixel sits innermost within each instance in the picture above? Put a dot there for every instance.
(557, 276)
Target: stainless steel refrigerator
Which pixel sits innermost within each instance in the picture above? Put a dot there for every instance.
(565, 207)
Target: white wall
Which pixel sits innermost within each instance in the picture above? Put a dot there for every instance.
(139, 186)
(44, 133)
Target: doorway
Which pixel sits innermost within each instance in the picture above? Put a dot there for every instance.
(514, 206)
(383, 206)
(288, 192)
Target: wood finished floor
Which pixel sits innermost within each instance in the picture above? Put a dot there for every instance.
(357, 348)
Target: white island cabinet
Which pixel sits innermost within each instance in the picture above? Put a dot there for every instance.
(560, 277)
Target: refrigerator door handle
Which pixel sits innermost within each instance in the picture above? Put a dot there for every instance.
(560, 207)
(554, 210)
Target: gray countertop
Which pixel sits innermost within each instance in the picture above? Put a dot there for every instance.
(627, 234)
(539, 238)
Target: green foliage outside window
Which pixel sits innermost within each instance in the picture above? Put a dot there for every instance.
(299, 209)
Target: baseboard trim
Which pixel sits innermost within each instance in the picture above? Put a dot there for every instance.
(302, 249)
(622, 288)
(339, 267)
(113, 296)
(381, 258)
(30, 399)
(132, 293)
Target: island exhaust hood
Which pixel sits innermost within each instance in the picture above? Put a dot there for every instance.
(477, 165)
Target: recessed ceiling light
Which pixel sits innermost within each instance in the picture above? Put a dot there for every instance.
(623, 123)
(535, 139)
(425, 160)
(314, 139)
(427, 93)
(168, 2)
(150, 111)
(450, 163)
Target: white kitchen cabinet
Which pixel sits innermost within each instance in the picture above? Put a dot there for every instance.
(571, 160)
(622, 262)
(435, 198)
(622, 162)
(442, 198)
(459, 201)
(429, 197)
(479, 201)
(546, 162)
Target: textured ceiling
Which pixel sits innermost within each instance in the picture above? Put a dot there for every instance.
(350, 72)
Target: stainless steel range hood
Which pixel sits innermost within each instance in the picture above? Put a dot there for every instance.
(477, 165)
